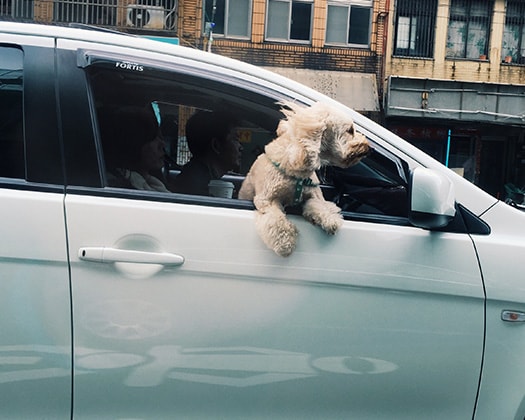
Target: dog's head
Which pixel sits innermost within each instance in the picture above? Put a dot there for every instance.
(341, 144)
(309, 137)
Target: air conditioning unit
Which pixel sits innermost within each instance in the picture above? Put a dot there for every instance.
(144, 16)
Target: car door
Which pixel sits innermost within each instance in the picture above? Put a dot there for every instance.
(378, 319)
(35, 322)
(180, 311)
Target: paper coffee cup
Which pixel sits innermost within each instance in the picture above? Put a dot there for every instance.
(219, 188)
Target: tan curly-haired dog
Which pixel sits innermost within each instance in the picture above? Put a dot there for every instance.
(284, 175)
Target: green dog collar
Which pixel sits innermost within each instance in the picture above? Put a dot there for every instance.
(300, 183)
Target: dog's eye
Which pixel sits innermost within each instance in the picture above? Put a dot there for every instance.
(350, 130)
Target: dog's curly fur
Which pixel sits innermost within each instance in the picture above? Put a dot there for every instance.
(307, 138)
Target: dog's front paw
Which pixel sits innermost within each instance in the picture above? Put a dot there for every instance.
(276, 231)
(285, 249)
(324, 214)
(332, 224)
(283, 239)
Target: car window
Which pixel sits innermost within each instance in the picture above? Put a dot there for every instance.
(375, 186)
(12, 163)
(172, 99)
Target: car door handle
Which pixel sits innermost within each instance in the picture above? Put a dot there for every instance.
(111, 255)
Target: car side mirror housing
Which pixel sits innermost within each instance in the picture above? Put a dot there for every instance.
(432, 199)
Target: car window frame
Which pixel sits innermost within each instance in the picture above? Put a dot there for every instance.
(44, 165)
(87, 57)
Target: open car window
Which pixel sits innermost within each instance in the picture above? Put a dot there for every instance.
(375, 186)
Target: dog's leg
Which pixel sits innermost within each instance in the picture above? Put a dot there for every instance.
(324, 214)
(276, 231)
(247, 191)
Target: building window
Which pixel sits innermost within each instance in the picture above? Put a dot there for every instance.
(348, 22)
(513, 49)
(17, 8)
(415, 28)
(228, 17)
(289, 20)
(469, 28)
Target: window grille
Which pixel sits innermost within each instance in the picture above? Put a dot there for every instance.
(469, 28)
(513, 48)
(139, 14)
(414, 28)
(89, 12)
(18, 9)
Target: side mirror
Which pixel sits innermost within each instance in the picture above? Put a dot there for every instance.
(432, 200)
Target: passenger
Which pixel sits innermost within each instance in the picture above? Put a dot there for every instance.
(133, 149)
(214, 144)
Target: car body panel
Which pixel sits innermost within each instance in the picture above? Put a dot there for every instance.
(382, 320)
(501, 256)
(363, 324)
(35, 324)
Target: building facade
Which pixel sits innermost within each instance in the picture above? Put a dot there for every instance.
(455, 85)
(297, 38)
(345, 39)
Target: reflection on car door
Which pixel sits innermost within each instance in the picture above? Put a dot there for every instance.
(35, 346)
(378, 321)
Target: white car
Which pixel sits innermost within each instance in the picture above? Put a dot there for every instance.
(123, 303)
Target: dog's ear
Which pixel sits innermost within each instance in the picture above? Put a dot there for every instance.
(288, 109)
(282, 128)
(307, 123)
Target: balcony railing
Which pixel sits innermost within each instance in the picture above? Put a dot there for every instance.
(140, 15)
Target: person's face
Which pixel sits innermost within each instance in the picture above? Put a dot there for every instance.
(231, 150)
(152, 155)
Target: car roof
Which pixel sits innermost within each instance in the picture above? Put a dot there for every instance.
(85, 33)
(121, 39)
